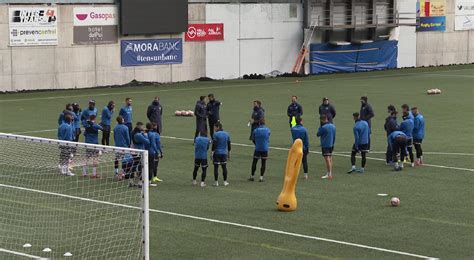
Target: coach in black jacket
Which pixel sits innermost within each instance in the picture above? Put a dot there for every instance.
(213, 107)
(154, 113)
(294, 109)
(390, 126)
(327, 109)
(200, 113)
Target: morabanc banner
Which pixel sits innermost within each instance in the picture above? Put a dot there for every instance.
(151, 52)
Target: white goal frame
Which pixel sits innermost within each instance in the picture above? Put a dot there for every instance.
(145, 182)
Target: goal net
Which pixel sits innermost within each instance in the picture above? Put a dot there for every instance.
(61, 199)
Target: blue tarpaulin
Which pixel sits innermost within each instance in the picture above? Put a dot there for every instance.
(328, 58)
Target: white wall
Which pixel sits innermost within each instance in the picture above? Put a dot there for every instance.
(80, 66)
(258, 38)
(406, 37)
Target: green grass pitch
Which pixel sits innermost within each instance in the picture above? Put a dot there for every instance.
(435, 218)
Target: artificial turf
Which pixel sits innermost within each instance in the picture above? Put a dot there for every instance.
(435, 217)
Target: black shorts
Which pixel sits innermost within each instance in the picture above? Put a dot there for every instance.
(410, 142)
(78, 131)
(91, 153)
(200, 162)
(361, 148)
(417, 141)
(327, 151)
(219, 158)
(260, 155)
(106, 128)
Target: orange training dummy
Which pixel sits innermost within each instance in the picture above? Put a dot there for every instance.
(287, 199)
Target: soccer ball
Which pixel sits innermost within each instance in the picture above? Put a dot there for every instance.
(395, 201)
(430, 91)
(189, 113)
(177, 113)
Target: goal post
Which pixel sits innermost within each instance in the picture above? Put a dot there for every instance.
(66, 199)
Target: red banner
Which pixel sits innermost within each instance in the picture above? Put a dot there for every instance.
(205, 32)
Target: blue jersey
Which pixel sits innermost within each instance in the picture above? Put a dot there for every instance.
(299, 132)
(261, 136)
(221, 142)
(327, 135)
(391, 138)
(91, 132)
(419, 127)
(201, 145)
(62, 116)
(141, 141)
(86, 114)
(121, 136)
(77, 120)
(65, 132)
(410, 115)
(106, 117)
(406, 126)
(126, 113)
(155, 143)
(361, 133)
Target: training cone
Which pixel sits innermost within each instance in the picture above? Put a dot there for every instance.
(287, 199)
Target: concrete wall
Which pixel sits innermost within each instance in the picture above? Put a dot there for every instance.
(258, 38)
(406, 36)
(79, 66)
(444, 48)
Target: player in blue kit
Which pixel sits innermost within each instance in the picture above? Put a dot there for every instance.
(327, 135)
(106, 119)
(91, 133)
(201, 146)
(261, 137)
(406, 126)
(65, 133)
(397, 141)
(126, 112)
(155, 152)
(361, 143)
(87, 113)
(300, 132)
(221, 147)
(418, 135)
(121, 139)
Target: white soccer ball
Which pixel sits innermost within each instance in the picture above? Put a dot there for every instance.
(395, 202)
(177, 113)
(430, 91)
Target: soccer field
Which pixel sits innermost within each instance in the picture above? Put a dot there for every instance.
(342, 218)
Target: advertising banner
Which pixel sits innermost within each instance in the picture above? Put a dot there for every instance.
(431, 15)
(33, 26)
(95, 25)
(464, 15)
(85, 16)
(205, 32)
(151, 52)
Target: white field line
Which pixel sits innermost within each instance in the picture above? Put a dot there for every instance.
(334, 153)
(434, 153)
(21, 254)
(224, 222)
(344, 154)
(230, 86)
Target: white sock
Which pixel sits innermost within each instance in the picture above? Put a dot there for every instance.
(116, 171)
(94, 171)
(261, 177)
(84, 170)
(353, 167)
